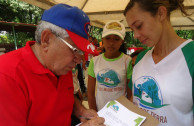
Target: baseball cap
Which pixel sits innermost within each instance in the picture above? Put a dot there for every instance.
(114, 28)
(74, 21)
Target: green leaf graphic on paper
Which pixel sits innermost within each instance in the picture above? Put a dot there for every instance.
(111, 103)
(138, 121)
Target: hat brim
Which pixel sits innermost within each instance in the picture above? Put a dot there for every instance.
(82, 43)
(113, 33)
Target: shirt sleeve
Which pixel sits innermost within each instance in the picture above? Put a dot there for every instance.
(91, 69)
(13, 104)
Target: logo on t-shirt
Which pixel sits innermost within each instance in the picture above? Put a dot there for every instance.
(108, 78)
(148, 93)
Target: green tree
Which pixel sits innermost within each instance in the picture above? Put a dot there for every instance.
(19, 12)
(96, 32)
(3, 38)
(186, 34)
(21, 38)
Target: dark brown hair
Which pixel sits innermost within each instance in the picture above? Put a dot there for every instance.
(153, 5)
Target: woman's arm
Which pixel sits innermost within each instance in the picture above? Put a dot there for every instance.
(129, 92)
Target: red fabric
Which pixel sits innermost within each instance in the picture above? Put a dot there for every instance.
(86, 56)
(83, 43)
(31, 95)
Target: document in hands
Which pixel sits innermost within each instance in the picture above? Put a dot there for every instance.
(115, 114)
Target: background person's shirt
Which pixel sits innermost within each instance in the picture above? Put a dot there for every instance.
(111, 76)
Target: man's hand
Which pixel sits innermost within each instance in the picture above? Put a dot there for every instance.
(88, 114)
(88, 117)
(96, 121)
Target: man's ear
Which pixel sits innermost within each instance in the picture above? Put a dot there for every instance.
(162, 13)
(45, 39)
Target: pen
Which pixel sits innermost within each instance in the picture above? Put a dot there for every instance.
(86, 118)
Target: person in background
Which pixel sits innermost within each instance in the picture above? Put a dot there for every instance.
(100, 44)
(90, 39)
(163, 77)
(76, 85)
(36, 86)
(95, 42)
(77, 93)
(111, 70)
(101, 47)
(88, 57)
(81, 68)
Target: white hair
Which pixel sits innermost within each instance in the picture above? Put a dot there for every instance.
(43, 25)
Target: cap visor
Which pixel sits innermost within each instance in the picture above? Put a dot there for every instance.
(82, 43)
(112, 33)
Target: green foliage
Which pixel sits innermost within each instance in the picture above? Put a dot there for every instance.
(186, 34)
(19, 12)
(96, 32)
(21, 38)
(131, 41)
(3, 39)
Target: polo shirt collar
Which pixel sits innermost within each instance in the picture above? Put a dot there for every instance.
(32, 61)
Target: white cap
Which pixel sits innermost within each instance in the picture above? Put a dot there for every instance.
(114, 28)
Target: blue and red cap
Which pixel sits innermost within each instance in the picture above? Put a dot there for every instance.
(74, 21)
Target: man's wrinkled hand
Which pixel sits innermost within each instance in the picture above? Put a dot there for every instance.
(95, 121)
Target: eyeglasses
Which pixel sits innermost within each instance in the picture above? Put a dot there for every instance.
(75, 50)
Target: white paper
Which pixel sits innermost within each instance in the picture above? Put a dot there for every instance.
(116, 114)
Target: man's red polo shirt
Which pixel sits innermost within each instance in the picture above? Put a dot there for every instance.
(31, 95)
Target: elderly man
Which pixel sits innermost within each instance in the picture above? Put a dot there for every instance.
(36, 87)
